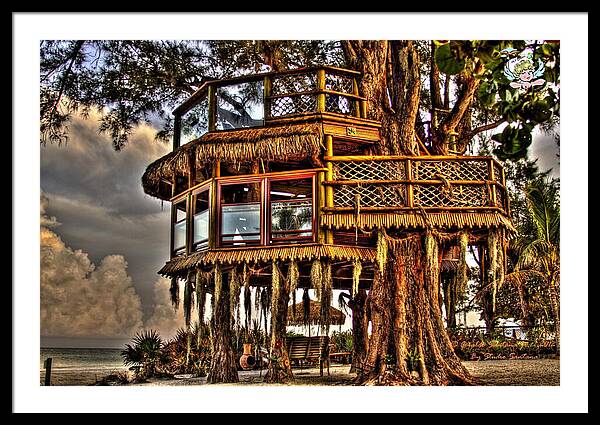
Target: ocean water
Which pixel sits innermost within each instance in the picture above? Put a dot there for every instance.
(80, 366)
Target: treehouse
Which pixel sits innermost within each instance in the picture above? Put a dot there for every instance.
(282, 167)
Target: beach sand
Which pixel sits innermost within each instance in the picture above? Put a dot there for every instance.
(540, 372)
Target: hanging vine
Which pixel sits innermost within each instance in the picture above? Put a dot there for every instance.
(461, 277)
(356, 271)
(245, 282)
(234, 295)
(432, 265)
(316, 277)
(188, 300)
(201, 283)
(174, 292)
(294, 277)
(326, 297)
(275, 285)
(382, 249)
(218, 284)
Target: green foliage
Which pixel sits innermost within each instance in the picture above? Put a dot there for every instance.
(145, 353)
(342, 340)
(448, 61)
(130, 82)
(513, 141)
(412, 360)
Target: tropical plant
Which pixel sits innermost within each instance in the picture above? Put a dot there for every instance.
(342, 340)
(539, 259)
(145, 354)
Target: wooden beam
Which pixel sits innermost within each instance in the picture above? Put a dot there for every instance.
(177, 132)
(409, 209)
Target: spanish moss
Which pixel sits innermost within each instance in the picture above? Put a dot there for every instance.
(293, 276)
(174, 292)
(316, 278)
(188, 300)
(382, 249)
(356, 271)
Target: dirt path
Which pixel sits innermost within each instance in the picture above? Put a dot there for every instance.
(540, 372)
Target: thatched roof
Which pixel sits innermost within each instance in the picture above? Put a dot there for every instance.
(283, 142)
(179, 265)
(416, 219)
(295, 315)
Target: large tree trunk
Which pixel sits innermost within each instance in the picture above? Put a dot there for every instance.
(409, 344)
(407, 325)
(280, 368)
(223, 365)
(360, 325)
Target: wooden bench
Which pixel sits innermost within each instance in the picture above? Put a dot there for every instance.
(309, 349)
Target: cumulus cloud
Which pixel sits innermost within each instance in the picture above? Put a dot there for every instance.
(165, 319)
(46, 220)
(79, 299)
(97, 194)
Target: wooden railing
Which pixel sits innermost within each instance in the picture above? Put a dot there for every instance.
(256, 100)
(396, 183)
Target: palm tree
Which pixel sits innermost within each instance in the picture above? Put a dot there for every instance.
(145, 353)
(540, 258)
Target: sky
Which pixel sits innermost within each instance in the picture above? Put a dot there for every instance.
(102, 240)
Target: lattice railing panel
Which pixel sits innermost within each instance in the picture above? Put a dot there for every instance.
(339, 104)
(450, 170)
(289, 105)
(457, 196)
(497, 173)
(340, 83)
(369, 170)
(370, 196)
(294, 83)
(500, 198)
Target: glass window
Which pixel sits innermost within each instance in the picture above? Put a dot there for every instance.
(291, 209)
(240, 105)
(240, 213)
(200, 222)
(240, 224)
(194, 123)
(179, 228)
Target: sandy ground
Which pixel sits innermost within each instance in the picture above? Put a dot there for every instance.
(541, 372)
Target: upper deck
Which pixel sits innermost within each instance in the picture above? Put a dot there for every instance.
(268, 99)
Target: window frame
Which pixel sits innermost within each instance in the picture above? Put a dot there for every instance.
(176, 251)
(204, 187)
(269, 221)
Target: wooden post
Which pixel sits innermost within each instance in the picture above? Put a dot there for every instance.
(212, 108)
(173, 217)
(357, 103)
(320, 204)
(320, 87)
(177, 132)
(409, 186)
(189, 228)
(329, 177)
(266, 101)
(492, 186)
(214, 208)
(48, 367)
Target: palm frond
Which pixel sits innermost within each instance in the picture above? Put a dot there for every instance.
(541, 201)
